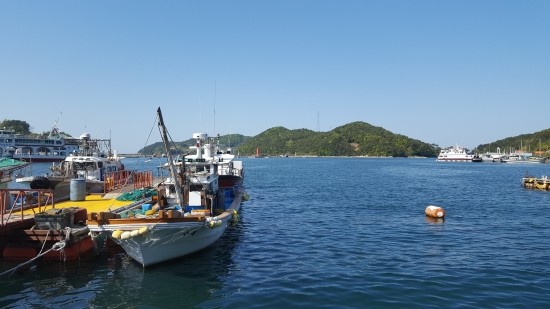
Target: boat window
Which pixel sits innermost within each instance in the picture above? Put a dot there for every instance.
(100, 164)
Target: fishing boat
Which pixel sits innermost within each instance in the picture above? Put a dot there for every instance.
(492, 156)
(536, 159)
(513, 158)
(455, 154)
(8, 166)
(93, 161)
(192, 209)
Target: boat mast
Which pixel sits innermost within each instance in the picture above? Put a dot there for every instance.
(173, 174)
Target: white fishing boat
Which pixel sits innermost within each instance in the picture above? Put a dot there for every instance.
(516, 157)
(193, 208)
(455, 154)
(492, 156)
(536, 159)
(93, 161)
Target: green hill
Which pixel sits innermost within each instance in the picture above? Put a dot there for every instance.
(534, 142)
(353, 139)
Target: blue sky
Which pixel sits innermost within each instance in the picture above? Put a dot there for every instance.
(444, 72)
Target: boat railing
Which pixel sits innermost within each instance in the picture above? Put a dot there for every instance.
(236, 172)
(21, 204)
(120, 179)
(143, 179)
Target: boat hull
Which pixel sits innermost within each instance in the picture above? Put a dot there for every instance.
(168, 240)
(454, 160)
(27, 244)
(162, 244)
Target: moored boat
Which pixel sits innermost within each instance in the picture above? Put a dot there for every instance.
(193, 208)
(92, 162)
(536, 159)
(8, 166)
(492, 156)
(52, 148)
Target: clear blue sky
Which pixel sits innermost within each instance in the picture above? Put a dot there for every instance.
(444, 72)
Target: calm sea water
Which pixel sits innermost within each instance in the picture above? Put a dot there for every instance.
(338, 233)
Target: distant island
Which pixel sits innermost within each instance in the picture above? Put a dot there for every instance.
(353, 139)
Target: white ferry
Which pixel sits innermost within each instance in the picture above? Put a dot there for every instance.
(455, 154)
(53, 148)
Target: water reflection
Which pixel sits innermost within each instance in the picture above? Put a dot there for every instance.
(433, 220)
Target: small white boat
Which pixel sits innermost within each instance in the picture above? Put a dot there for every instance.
(516, 157)
(193, 208)
(492, 156)
(536, 159)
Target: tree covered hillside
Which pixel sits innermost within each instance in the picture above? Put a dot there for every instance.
(534, 142)
(353, 139)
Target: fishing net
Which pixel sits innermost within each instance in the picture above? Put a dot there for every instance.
(137, 194)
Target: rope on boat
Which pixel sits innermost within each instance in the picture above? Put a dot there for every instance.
(58, 246)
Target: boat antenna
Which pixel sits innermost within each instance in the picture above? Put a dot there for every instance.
(173, 174)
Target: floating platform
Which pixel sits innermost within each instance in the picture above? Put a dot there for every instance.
(532, 182)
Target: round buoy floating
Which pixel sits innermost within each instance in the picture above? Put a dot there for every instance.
(435, 211)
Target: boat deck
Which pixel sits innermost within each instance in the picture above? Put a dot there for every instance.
(17, 218)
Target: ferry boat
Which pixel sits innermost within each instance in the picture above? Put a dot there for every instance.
(455, 154)
(52, 148)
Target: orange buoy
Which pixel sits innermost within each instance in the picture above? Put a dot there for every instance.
(435, 211)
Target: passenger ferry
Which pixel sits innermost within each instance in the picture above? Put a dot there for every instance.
(52, 148)
(455, 154)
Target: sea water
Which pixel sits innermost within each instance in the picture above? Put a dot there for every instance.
(337, 233)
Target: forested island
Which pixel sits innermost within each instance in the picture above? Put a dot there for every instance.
(353, 139)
